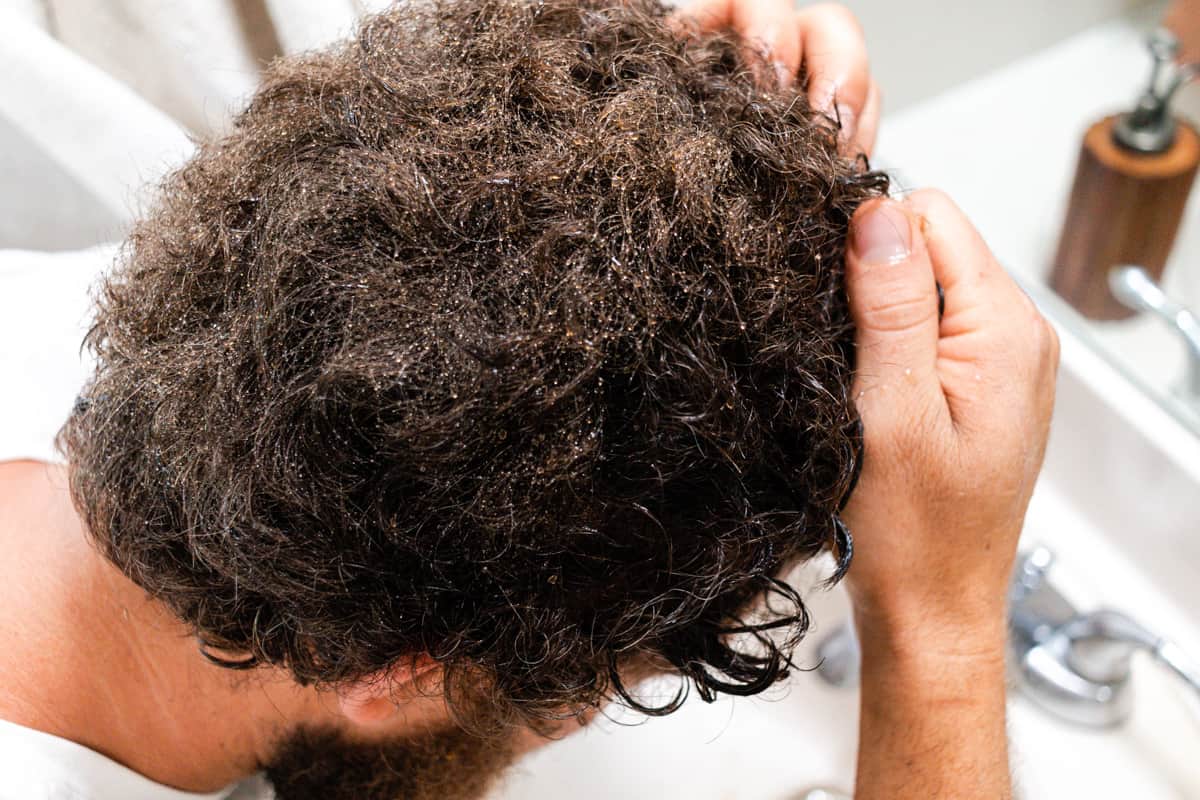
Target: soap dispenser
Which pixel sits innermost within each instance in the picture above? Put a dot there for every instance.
(1131, 186)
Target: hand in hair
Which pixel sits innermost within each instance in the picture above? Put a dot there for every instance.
(825, 40)
(956, 414)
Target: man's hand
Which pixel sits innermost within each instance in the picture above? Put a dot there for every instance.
(956, 413)
(825, 38)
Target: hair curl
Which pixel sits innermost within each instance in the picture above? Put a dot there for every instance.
(511, 332)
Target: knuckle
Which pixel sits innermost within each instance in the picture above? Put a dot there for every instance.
(898, 419)
(1048, 346)
(875, 94)
(913, 435)
(897, 314)
(895, 435)
(930, 202)
(1044, 338)
(838, 61)
(1055, 348)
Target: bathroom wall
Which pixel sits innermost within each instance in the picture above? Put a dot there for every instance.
(921, 47)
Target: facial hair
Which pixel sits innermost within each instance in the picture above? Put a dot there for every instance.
(449, 764)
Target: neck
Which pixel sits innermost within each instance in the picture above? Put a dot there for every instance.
(87, 656)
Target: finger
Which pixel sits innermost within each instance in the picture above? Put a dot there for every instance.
(770, 30)
(768, 27)
(835, 57)
(993, 341)
(977, 289)
(781, 40)
(894, 302)
(868, 123)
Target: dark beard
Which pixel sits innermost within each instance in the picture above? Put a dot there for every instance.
(321, 764)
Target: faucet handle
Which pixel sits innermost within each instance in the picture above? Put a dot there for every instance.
(1136, 290)
(1172, 656)
(1030, 572)
(1101, 644)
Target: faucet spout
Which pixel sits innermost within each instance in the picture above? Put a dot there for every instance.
(1138, 291)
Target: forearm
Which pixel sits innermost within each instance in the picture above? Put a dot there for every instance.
(932, 712)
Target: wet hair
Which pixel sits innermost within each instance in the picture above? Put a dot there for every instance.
(509, 332)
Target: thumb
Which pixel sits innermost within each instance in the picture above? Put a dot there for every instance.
(894, 301)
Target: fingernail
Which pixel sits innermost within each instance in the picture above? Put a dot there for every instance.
(882, 235)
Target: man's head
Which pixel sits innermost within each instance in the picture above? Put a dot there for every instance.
(510, 336)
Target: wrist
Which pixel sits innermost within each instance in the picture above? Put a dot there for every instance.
(932, 703)
(908, 630)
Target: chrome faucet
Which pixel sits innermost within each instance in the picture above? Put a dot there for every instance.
(1078, 665)
(1075, 665)
(1138, 291)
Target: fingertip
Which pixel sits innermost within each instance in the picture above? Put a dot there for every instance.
(847, 119)
(702, 16)
(778, 41)
(960, 257)
(784, 75)
(883, 231)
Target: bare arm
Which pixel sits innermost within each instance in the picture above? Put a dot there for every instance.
(956, 413)
(931, 720)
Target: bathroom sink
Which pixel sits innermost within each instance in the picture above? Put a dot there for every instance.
(1118, 502)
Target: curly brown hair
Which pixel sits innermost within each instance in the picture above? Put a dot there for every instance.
(509, 332)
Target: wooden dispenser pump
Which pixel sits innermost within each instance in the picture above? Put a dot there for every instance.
(1131, 186)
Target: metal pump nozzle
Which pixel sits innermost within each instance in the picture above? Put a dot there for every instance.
(1150, 128)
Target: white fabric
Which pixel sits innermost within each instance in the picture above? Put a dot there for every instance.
(310, 24)
(100, 99)
(96, 129)
(38, 766)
